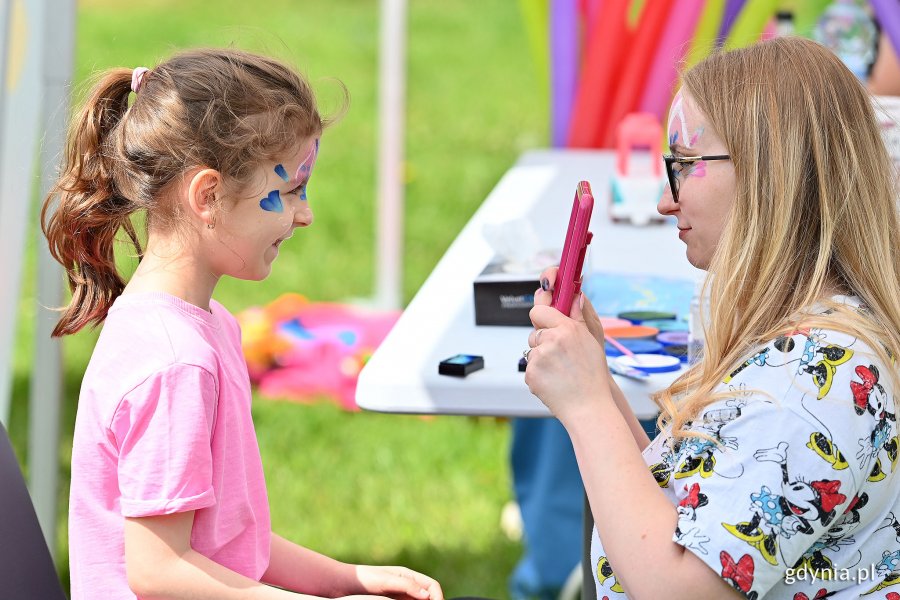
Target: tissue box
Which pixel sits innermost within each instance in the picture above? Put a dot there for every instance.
(504, 298)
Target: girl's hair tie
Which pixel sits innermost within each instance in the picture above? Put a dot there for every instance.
(137, 78)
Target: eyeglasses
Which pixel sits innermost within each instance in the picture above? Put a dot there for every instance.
(673, 173)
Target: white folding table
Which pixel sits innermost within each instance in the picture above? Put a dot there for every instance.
(402, 375)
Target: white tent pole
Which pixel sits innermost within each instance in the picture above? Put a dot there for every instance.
(5, 12)
(7, 312)
(391, 109)
(47, 372)
(18, 147)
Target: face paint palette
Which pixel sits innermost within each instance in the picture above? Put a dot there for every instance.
(610, 322)
(636, 346)
(679, 352)
(461, 365)
(650, 363)
(667, 325)
(673, 338)
(632, 332)
(639, 316)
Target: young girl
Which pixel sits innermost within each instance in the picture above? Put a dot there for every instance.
(776, 472)
(168, 498)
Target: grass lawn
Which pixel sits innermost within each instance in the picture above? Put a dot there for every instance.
(361, 487)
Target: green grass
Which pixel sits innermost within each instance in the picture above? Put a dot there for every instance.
(361, 487)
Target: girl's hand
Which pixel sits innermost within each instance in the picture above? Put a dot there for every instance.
(398, 582)
(566, 364)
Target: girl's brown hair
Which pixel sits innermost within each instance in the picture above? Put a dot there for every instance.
(214, 108)
(814, 212)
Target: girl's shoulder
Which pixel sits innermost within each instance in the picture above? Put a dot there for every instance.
(147, 332)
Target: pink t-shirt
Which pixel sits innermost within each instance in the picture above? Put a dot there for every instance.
(164, 426)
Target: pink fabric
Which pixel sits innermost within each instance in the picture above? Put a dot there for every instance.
(164, 426)
(305, 350)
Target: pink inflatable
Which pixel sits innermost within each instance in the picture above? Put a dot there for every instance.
(671, 50)
(601, 69)
(302, 350)
(654, 17)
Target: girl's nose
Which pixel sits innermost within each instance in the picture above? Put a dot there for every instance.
(303, 216)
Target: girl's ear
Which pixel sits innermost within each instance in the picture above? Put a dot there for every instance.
(201, 195)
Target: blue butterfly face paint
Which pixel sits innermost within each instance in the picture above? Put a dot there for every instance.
(272, 202)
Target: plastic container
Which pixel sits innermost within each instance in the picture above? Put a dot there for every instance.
(650, 363)
(846, 29)
(638, 346)
(698, 316)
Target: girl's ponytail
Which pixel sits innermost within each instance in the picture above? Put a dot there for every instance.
(82, 229)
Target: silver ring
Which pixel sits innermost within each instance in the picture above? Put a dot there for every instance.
(526, 353)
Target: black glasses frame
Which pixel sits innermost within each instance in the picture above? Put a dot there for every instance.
(671, 159)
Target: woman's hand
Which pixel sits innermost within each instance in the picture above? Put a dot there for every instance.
(566, 363)
(544, 296)
(397, 582)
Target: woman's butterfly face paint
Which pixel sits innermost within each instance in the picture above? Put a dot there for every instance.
(679, 134)
(683, 140)
(273, 201)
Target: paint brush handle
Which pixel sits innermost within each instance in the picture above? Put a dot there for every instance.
(618, 346)
(621, 348)
(627, 371)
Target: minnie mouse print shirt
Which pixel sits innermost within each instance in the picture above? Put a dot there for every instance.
(797, 498)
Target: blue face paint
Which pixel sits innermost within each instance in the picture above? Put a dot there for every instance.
(673, 138)
(281, 172)
(272, 202)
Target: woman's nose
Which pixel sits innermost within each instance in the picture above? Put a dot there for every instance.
(667, 204)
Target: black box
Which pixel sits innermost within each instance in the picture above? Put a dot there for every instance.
(460, 365)
(503, 298)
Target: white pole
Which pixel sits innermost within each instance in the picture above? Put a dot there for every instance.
(47, 371)
(18, 147)
(391, 109)
(5, 12)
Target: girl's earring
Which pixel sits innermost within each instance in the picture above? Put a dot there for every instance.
(211, 199)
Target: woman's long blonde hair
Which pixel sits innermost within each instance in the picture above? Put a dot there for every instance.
(815, 210)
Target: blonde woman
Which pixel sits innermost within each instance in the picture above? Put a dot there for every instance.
(775, 474)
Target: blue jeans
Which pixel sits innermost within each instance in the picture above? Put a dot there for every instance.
(550, 494)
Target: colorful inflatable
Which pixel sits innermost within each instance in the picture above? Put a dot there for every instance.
(304, 350)
(610, 58)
